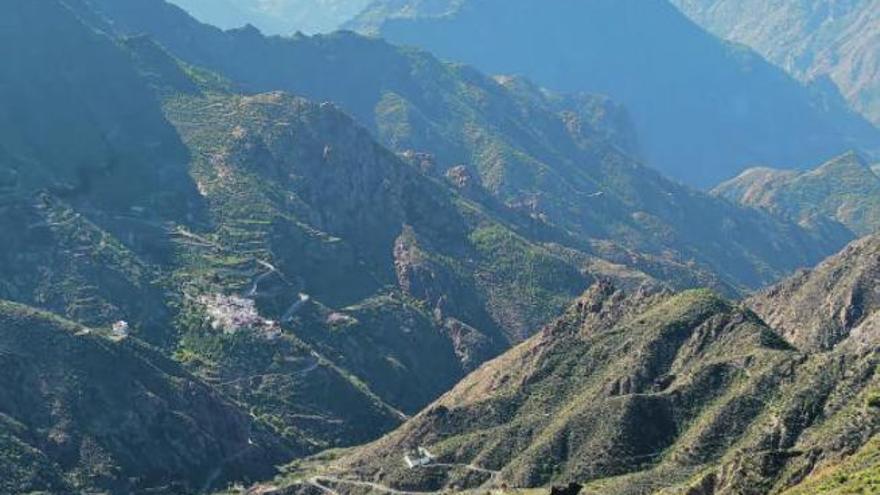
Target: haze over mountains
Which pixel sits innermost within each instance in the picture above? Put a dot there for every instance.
(693, 98)
(231, 251)
(811, 39)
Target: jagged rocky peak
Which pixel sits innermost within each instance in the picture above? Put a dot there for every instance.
(604, 305)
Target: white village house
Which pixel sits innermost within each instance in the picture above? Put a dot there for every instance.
(418, 457)
(120, 329)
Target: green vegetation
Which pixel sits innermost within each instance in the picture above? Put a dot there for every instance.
(527, 415)
(292, 285)
(122, 410)
(273, 201)
(561, 166)
(855, 475)
(648, 390)
(843, 190)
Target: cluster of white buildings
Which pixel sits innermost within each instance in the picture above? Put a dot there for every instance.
(232, 314)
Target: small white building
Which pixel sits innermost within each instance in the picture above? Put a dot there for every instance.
(120, 329)
(272, 330)
(418, 457)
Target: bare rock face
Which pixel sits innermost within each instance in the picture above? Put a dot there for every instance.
(472, 347)
(819, 309)
(449, 298)
(418, 275)
(462, 177)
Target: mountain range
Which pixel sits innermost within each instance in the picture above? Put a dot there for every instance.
(567, 161)
(690, 95)
(226, 255)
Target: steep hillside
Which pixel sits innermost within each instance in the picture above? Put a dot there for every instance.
(60, 260)
(196, 244)
(380, 269)
(188, 263)
(703, 110)
(300, 269)
(632, 393)
(628, 394)
(105, 123)
(83, 412)
(809, 38)
(90, 172)
(832, 303)
(99, 200)
(565, 161)
(844, 189)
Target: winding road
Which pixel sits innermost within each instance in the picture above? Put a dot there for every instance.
(319, 481)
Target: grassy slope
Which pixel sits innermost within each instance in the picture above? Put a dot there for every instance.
(687, 393)
(858, 474)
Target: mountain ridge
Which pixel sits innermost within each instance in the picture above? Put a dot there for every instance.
(671, 75)
(316, 272)
(284, 17)
(843, 190)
